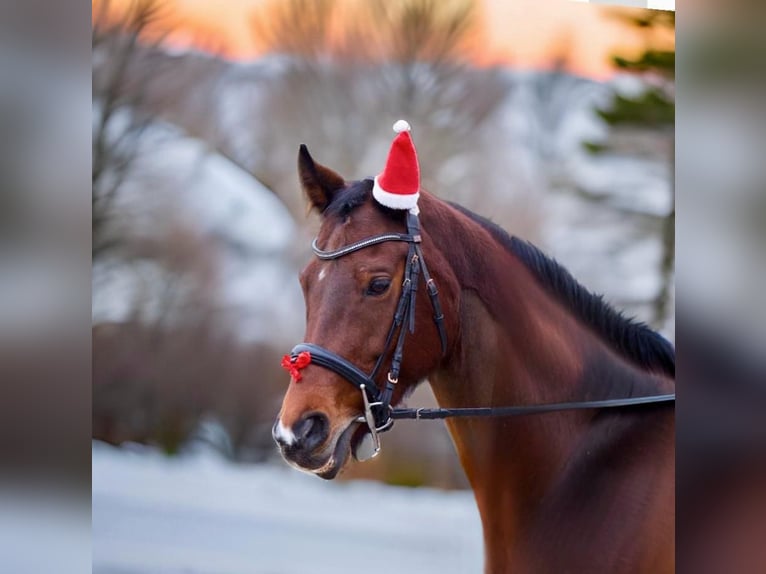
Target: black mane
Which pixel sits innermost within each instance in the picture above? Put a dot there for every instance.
(633, 339)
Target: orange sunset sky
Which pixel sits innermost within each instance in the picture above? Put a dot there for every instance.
(520, 33)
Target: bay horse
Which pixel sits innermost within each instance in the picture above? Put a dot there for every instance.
(580, 491)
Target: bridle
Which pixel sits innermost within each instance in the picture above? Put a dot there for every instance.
(378, 414)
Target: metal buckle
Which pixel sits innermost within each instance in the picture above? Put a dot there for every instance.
(369, 419)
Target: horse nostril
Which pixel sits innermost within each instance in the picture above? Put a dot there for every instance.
(311, 431)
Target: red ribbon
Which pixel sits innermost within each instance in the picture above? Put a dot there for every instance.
(293, 365)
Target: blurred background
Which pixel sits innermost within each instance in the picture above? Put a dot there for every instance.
(554, 119)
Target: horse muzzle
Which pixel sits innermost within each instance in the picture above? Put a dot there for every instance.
(310, 446)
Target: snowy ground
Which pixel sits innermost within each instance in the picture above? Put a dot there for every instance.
(200, 514)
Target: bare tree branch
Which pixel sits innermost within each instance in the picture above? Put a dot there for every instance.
(116, 48)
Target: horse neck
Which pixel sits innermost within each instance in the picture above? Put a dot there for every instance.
(517, 345)
(539, 348)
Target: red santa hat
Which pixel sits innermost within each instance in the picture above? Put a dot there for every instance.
(398, 186)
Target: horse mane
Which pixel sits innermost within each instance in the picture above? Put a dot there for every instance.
(633, 339)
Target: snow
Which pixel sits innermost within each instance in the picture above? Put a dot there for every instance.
(208, 189)
(226, 200)
(198, 513)
(249, 227)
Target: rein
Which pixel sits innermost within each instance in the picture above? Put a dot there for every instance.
(379, 415)
(431, 414)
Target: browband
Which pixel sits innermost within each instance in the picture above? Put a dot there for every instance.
(361, 244)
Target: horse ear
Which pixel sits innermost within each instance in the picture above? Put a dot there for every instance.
(319, 183)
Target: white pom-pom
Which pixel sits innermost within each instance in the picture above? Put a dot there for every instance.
(401, 126)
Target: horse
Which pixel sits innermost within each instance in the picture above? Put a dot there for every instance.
(580, 490)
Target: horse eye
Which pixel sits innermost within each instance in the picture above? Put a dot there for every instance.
(378, 286)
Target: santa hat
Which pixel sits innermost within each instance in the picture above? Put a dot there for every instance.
(398, 186)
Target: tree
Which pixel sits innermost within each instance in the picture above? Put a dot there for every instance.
(119, 121)
(654, 107)
(650, 111)
(350, 69)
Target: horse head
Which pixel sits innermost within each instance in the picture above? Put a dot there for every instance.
(351, 301)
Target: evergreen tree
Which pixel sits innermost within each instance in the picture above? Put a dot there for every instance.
(651, 111)
(654, 107)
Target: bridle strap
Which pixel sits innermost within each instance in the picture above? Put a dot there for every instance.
(403, 321)
(413, 226)
(361, 244)
(346, 369)
(430, 414)
(398, 318)
(433, 294)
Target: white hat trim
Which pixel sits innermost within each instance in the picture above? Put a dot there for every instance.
(394, 200)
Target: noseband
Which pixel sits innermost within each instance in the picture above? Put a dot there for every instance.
(378, 414)
(378, 403)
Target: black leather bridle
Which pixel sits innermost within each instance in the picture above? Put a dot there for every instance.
(378, 414)
(377, 404)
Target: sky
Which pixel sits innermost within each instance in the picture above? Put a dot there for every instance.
(521, 33)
